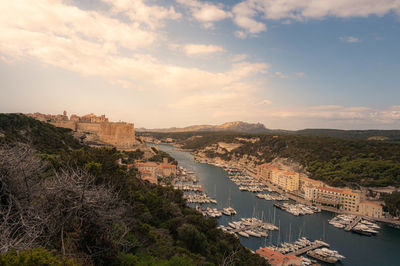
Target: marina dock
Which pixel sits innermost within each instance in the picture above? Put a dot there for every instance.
(353, 223)
(315, 245)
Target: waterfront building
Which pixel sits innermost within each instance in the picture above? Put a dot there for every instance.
(308, 182)
(287, 180)
(149, 166)
(344, 199)
(370, 209)
(276, 258)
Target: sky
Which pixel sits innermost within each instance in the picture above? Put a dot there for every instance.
(289, 64)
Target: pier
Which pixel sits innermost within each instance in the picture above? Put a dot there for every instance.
(315, 245)
(353, 223)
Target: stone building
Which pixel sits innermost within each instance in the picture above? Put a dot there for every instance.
(370, 209)
(96, 130)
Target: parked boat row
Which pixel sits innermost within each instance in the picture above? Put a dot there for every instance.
(249, 227)
(297, 209)
(272, 197)
(363, 227)
(209, 212)
(201, 198)
(325, 255)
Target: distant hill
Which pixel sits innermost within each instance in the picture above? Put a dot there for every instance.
(392, 135)
(237, 126)
(244, 127)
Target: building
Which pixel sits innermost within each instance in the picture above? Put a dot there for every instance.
(151, 167)
(308, 182)
(287, 180)
(276, 258)
(370, 209)
(147, 176)
(94, 130)
(165, 169)
(344, 199)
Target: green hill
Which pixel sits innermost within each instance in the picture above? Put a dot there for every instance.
(339, 162)
(80, 203)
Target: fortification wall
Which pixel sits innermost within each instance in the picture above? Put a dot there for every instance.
(117, 134)
(120, 135)
(65, 124)
(88, 127)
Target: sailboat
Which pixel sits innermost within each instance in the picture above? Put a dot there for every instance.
(229, 210)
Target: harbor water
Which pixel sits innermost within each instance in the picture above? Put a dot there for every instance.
(381, 249)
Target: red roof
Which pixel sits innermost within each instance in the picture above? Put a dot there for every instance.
(371, 203)
(331, 189)
(277, 258)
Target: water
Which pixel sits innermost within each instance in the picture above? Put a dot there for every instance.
(382, 249)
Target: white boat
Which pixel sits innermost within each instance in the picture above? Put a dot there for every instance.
(243, 234)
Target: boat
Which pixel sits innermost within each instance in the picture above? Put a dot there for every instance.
(243, 234)
(361, 232)
(322, 257)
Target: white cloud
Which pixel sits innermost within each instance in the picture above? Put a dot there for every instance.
(88, 43)
(205, 12)
(196, 49)
(280, 75)
(240, 57)
(247, 13)
(243, 17)
(138, 11)
(349, 39)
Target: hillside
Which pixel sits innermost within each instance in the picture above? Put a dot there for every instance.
(338, 162)
(64, 203)
(244, 127)
(237, 126)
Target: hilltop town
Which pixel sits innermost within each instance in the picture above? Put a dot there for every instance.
(94, 130)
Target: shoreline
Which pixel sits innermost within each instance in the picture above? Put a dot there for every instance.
(291, 196)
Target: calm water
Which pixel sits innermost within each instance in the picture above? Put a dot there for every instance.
(382, 249)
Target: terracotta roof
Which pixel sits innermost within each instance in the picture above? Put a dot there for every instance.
(277, 258)
(331, 189)
(342, 191)
(146, 164)
(167, 165)
(371, 203)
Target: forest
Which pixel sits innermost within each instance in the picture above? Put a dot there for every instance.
(336, 161)
(64, 203)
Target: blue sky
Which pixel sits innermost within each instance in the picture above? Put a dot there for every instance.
(289, 64)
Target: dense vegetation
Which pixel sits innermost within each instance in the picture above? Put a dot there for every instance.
(79, 201)
(338, 162)
(392, 203)
(43, 137)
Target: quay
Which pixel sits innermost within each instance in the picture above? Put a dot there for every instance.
(315, 245)
(353, 223)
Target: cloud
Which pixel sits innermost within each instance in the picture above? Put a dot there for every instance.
(243, 17)
(89, 43)
(248, 13)
(240, 57)
(205, 12)
(349, 39)
(199, 49)
(280, 75)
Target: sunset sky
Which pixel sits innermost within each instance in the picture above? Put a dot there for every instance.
(289, 64)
